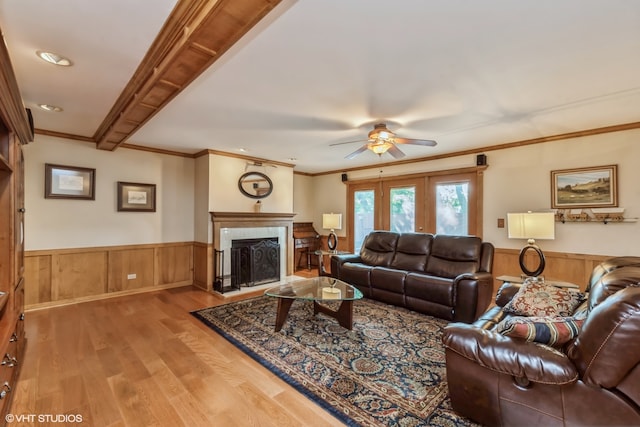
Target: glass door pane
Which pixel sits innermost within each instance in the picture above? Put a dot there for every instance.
(402, 208)
(363, 216)
(452, 208)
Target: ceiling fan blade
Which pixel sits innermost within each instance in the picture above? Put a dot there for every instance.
(425, 142)
(358, 151)
(348, 142)
(395, 152)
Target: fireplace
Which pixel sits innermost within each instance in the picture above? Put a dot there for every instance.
(254, 261)
(230, 226)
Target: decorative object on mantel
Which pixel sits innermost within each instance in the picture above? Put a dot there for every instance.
(332, 222)
(258, 206)
(531, 226)
(593, 187)
(596, 215)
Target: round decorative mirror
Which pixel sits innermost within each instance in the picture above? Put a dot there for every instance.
(255, 185)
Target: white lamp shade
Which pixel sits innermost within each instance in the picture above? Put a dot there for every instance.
(531, 225)
(332, 221)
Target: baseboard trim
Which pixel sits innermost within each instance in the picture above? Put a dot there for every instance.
(79, 300)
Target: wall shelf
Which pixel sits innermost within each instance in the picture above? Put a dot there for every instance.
(602, 215)
(599, 221)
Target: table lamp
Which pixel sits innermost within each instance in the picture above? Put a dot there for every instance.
(332, 222)
(531, 226)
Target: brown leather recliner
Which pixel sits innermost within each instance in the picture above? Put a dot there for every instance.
(593, 380)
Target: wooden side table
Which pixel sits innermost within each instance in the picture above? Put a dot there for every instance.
(321, 253)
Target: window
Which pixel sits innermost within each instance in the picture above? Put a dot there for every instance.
(444, 202)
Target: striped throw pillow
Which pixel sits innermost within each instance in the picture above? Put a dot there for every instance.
(553, 331)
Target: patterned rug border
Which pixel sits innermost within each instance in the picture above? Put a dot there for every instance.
(274, 369)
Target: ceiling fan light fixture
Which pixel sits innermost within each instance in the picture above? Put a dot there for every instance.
(380, 146)
(380, 132)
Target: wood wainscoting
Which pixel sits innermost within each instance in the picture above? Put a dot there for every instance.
(566, 267)
(62, 276)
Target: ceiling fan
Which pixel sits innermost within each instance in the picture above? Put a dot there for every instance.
(381, 140)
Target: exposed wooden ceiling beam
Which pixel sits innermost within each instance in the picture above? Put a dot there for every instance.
(194, 36)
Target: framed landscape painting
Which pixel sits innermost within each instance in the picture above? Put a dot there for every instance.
(593, 187)
(136, 197)
(69, 182)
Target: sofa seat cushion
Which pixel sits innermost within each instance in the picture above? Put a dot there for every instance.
(430, 288)
(388, 279)
(553, 331)
(538, 299)
(387, 285)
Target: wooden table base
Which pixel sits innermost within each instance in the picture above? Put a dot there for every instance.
(344, 313)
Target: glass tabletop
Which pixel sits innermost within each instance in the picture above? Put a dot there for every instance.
(316, 289)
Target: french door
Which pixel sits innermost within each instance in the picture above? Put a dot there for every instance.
(396, 205)
(442, 203)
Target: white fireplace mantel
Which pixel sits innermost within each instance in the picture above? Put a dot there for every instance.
(251, 220)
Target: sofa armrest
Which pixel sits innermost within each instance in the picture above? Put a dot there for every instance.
(338, 259)
(473, 292)
(518, 358)
(506, 293)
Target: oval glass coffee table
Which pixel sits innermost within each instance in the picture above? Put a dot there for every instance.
(316, 289)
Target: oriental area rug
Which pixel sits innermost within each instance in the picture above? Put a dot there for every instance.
(388, 371)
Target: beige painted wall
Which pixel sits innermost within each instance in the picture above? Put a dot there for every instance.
(224, 195)
(202, 218)
(518, 179)
(62, 223)
(304, 195)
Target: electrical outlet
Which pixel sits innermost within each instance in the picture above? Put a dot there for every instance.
(131, 276)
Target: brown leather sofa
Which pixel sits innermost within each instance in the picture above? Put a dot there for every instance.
(594, 379)
(444, 276)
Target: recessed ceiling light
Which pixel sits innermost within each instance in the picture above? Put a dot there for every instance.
(292, 159)
(244, 150)
(54, 58)
(48, 107)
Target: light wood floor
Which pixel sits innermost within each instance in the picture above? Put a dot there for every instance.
(143, 360)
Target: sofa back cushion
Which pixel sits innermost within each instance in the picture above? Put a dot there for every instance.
(609, 265)
(412, 251)
(607, 350)
(454, 255)
(378, 248)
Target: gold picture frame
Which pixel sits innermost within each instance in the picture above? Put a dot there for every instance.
(69, 182)
(591, 187)
(136, 197)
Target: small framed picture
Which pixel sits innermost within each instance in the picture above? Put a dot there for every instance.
(592, 187)
(69, 182)
(136, 197)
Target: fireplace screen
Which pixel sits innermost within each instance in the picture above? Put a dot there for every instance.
(255, 261)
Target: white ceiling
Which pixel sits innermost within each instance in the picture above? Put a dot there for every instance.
(468, 74)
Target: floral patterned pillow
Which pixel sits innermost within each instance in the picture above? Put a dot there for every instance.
(537, 299)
